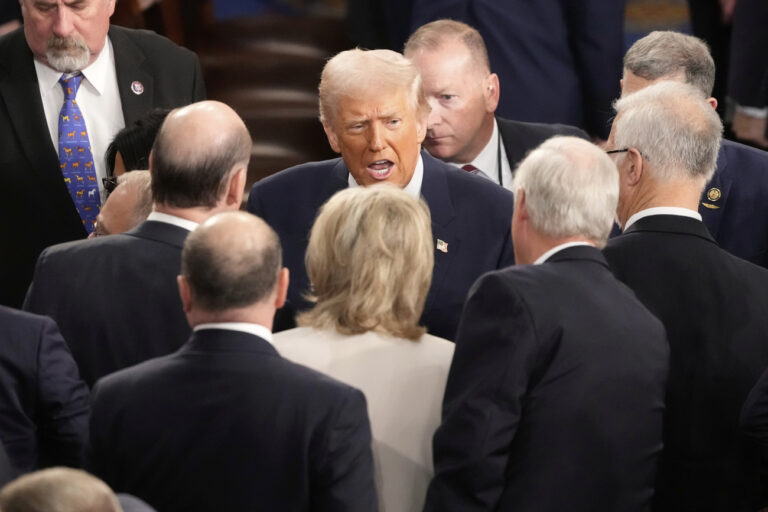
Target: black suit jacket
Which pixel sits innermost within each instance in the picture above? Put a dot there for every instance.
(520, 138)
(225, 423)
(35, 207)
(115, 298)
(470, 214)
(713, 306)
(555, 395)
(44, 404)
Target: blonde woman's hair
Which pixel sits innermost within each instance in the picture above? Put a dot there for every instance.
(58, 490)
(370, 261)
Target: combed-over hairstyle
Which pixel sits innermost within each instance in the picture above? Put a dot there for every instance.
(571, 189)
(369, 260)
(674, 128)
(353, 71)
(666, 54)
(434, 34)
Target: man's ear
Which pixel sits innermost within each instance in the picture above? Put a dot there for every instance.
(282, 287)
(185, 293)
(333, 139)
(421, 126)
(233, 198)
(713, 102)
(151, 161)
(621, 84)
(491, 92)
(634, 166)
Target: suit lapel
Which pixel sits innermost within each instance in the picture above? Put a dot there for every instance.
(434, 189)
(21, 95)
(131, 76)
(715, 195)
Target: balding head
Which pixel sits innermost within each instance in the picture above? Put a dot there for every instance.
(127, 206)
(231, 261)
(195, 154)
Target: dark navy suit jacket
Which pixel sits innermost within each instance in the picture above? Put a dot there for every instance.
(115, 297)
(44, 404)
(734, 205)
(36, 210)
(470, 214)
(519, 138)
(558, 61)
(225, 423)
(713, 306)
(555, 395)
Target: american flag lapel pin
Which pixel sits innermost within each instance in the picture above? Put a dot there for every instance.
(442, 246)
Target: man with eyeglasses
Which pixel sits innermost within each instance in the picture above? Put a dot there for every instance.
(665, 141)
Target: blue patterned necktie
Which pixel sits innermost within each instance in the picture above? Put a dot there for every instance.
(75, 158)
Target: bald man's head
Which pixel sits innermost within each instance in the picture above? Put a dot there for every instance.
(196, 150)
(127, 206)
(231, 261)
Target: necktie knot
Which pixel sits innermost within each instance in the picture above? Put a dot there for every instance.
(470, 168)
(70, 85)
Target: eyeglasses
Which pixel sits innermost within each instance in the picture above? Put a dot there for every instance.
(624, 151)
(110, 184)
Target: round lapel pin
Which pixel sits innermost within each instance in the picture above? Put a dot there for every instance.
(137, 87)
(714, 194)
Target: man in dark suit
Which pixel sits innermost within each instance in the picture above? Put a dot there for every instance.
(734, 204)
(43, 402)
(114, 297)
(557, 60)
(254, 431)
(464, 94)
(374, 113)
(555, 395)
(665, 139)
(127, 73)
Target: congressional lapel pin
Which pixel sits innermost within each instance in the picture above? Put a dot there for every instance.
(713, 195)
(137, 87)
(442, 246)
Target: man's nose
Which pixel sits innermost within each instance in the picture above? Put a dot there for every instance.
(63, 22)
(377, 141)
(435, 116)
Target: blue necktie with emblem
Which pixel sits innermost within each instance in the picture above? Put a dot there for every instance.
(75, 158)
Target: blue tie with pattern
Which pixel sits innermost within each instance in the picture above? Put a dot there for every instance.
(75, 158)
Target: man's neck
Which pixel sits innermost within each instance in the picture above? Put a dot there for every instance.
(538, 245)
(677, 195)
(198, 215)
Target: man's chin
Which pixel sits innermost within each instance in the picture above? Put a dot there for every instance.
(67, 61)
(440, 151)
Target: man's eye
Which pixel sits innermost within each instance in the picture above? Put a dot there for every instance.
(394, 122)
(447, 97)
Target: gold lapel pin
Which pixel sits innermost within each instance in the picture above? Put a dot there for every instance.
(714, 194)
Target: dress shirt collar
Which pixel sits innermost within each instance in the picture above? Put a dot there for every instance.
(544, 257)
(255, 329)
(96, 74)
(487, 161)
(172, 219)
(662, 210)
(413, 187)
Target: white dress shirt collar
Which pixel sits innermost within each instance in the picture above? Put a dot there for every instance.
(662, 210)
(487, 161)
(255, 329)
(95, 74)
(172, 219)
(413, 188)
(544, 257)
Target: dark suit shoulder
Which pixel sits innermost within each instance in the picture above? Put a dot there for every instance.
(542, 130)
(158, 46)
(468, 189)
(305, 174)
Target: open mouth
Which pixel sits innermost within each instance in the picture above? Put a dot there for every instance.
(380, 169)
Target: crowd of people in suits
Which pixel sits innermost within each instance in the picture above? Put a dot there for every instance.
(461, 312)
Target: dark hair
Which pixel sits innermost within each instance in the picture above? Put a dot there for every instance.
(134, 142)
(195, 178)
(224, 269)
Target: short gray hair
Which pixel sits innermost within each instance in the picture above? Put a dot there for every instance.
(571, 189)
(666, 54)
(58, 490)
(141, 182)
(231, 261)
(350, 72)
(434, 34)
(673, 126)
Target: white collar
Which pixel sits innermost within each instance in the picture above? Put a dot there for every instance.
(487, 159)
(413, 188)
(255, 329)
(95, 74)
(172, 219)
(544, 257)
(662, 210)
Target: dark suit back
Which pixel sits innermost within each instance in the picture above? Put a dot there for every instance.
(115, 298)
(520, 138)
(35, 206)
(471, 215)
(43, 403)
(225, 423)
(555, 394)
(713, 306)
